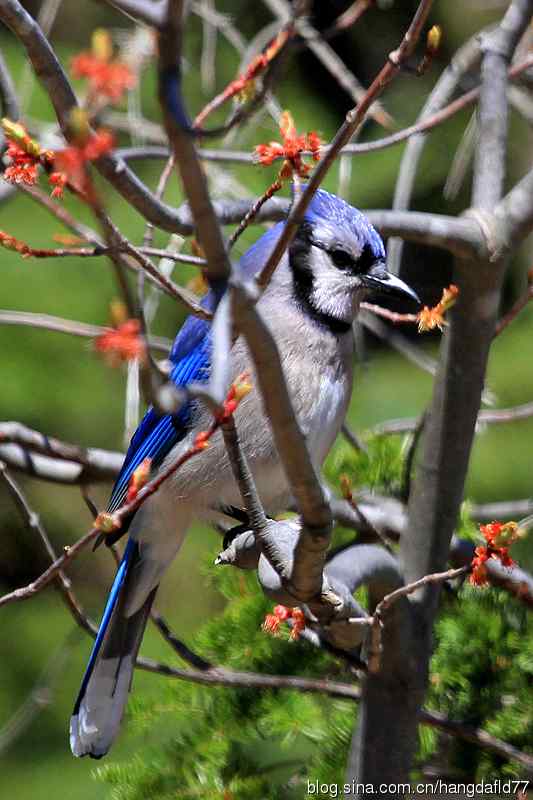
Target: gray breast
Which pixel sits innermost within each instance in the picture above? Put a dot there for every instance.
(318, 369)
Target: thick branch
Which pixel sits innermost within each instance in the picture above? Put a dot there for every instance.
(497, 47)
(104, 462)
(182, 144)
(466, 59)
(103, 465)
(310, 551)
(452, 417)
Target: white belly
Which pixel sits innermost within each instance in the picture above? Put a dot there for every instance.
(326, 417)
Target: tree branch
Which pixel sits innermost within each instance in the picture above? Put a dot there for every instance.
(465, 60)
(151, 12)
(330, 60)
(309, 555)
(72, 327)
(183, 147)
(497, 48)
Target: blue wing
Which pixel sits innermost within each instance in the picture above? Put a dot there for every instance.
(190, 354)
(156, 435)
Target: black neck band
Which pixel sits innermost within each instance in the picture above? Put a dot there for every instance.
(303, 287)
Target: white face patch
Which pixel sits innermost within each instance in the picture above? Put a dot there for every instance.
(335, 292)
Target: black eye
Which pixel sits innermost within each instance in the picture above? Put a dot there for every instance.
(341, 259)
(366, 260)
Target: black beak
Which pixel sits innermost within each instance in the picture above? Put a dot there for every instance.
(379, 280)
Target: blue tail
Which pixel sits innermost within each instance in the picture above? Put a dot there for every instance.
(104, 690)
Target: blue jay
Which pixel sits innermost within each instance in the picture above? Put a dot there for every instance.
(310, 304)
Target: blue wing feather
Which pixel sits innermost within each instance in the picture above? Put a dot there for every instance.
(157, 435)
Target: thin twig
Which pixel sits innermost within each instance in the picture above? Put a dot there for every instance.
(113, 522)
(398, 342)
(330, 60)
(243, 476)
(513, 312)
(35, 526)
(466, 59)
(486, 417)
(48, 322)
(374, 651)
(70, 552)
(353, 439)
(41, 696)
(477, 736)
(391, 316)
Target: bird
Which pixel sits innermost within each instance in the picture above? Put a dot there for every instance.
(335, 259)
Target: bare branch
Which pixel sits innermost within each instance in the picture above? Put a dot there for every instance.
(465, 60)
(399, 342)
(353, 438)
(41, 696)
(44, 61)
(437, 230)
(70, 552)
(514, 214)
(423, 125)
(220, 676)
(182, 143)
(476, 736)
(104, 465)
(497, 48)
(8, 95)
(106, 462)
(35, 526)
(74, 328)
(243, 476)
(222, 22)
(506, 509)
(60, 213)
(48, 322)
(310, 551)
(151, 12)
(489, 417)
(159, 192)
(452, 418)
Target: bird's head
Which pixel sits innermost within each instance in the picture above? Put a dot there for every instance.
(336, 259)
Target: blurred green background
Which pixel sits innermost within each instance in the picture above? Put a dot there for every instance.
(57, 384)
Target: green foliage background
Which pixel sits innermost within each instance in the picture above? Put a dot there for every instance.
(183, 737)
